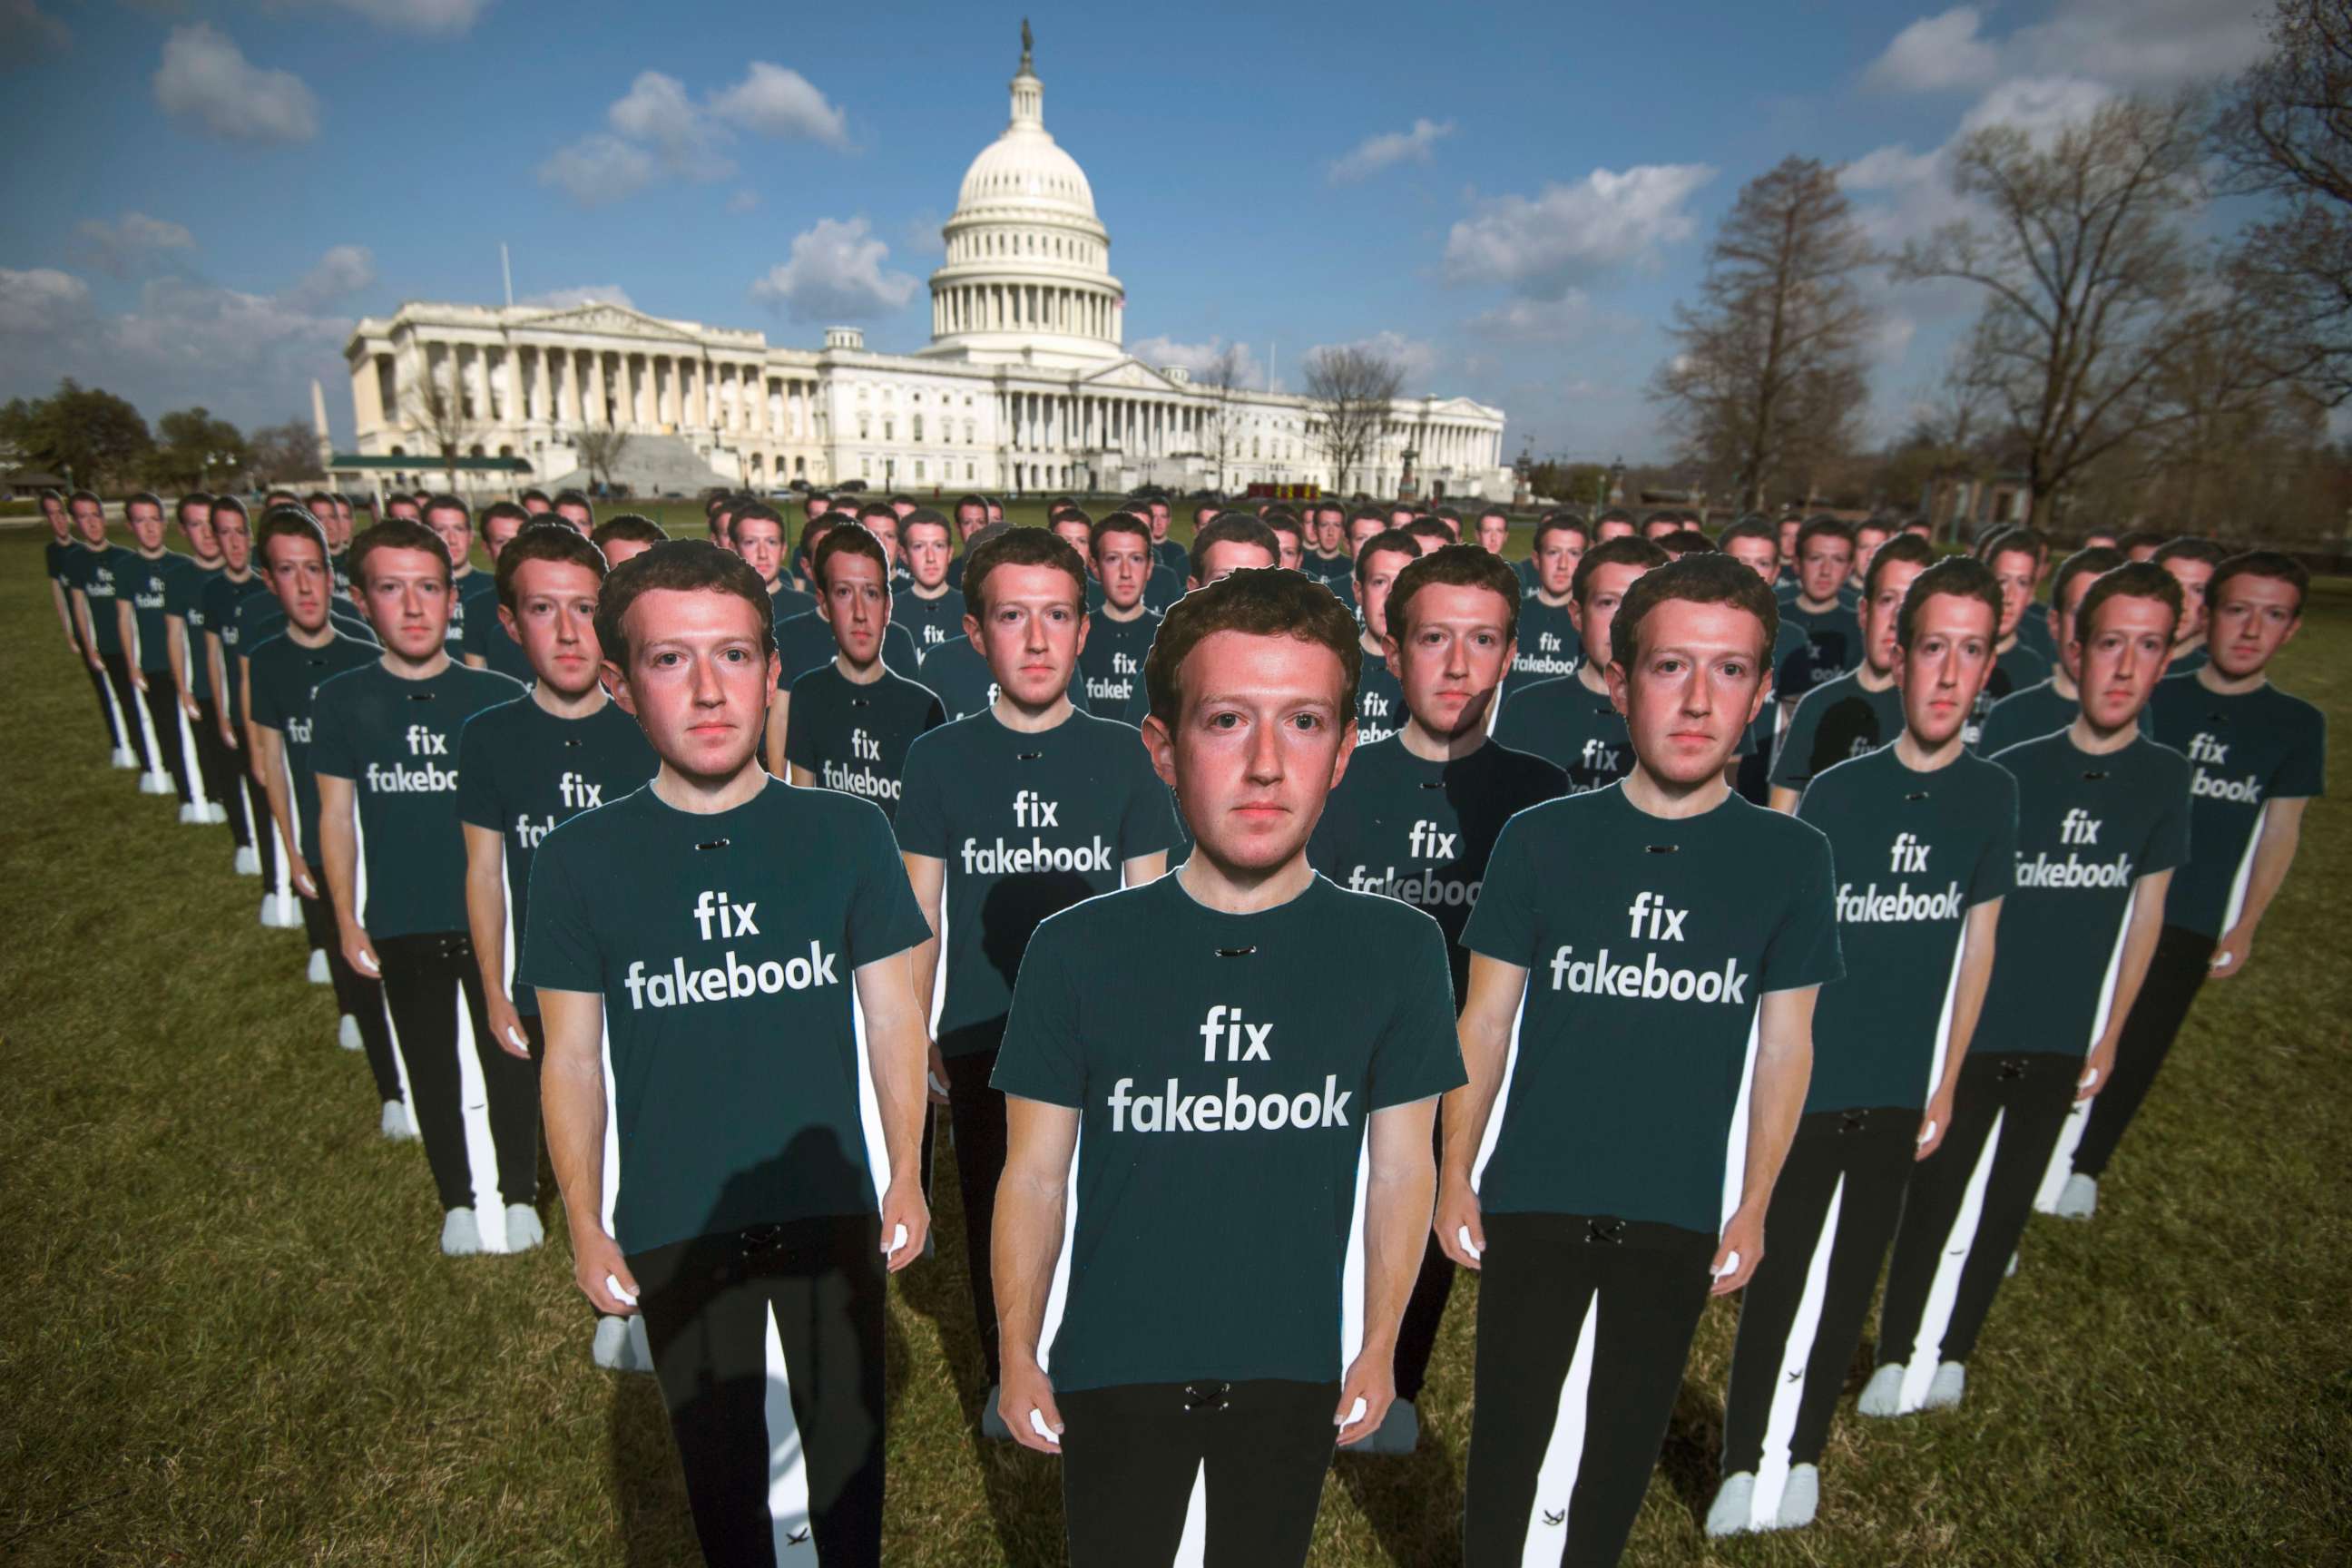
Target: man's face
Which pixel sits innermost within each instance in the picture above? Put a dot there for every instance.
(1657, 528)
(1884, 611)
(884, 531)
(1159, 518)
(1604, 592)
(1556, 559)
(298, 575)
(1375, 575)
(1950, 655)
(1123, 565)
(812, 506)
(1866, 542)
(555, 619)
(2062, 606)
(928, 552)
(1494, 531)
(535, 505)
(498, 534)
(236, 541)
(1401, 516)
(405, 597)
(90, 521)
(1263, 737)
(1823, 564)
(697, 682)
(1030, 631)
(899, 508)
(969, 521)
(1361, 529)
(619, 550)
(2123, 652)
(60, 521)
(996, 512)
(573, 512)
(1330, 532)
(197, 527)
(1452, 658)
(457, 534)
(760, 542)
(1225, 558)
(402, 506)
(2017, 571)
(1614, 528)
(1078, 535)
(146, 522)
(1694, 689)
(1788, 528)
(336, 520)
(1761, 556)
(2251, 619)
(857, 601)
(1287, 553)
(2143, 551)
(2193, 576)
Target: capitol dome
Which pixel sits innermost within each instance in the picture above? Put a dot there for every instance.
(1027, 277)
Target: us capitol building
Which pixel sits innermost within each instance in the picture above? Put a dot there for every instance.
(1023, 387)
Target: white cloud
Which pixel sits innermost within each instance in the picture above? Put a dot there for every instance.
(743, 201)
(29, 35)
(597, 169)
(206, 78)
(119, 248)
(774, 101)
(1936, 53)
(1567, 234)
(41, 303)
(655, 112)
(449, 17)
(836, 273)
(1374, 154)
(1197, 358)
(582, 294)
(1416, 357)
(342, 272)
(2036, 105)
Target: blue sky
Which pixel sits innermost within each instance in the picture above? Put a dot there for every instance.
(201, 198)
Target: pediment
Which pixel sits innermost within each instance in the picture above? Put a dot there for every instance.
(611, 321)
(1128, 376)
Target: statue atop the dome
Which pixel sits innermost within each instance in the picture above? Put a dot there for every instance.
(1027, 43)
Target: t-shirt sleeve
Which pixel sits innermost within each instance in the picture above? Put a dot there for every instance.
(268, 711)
(475, 639)
(2302, 771)
(1803, 949)
(884, 918)
(2167, 835)
(1148, 825)
(181, 587)
(935, 715)
(477, 795)
(799, 734)
(1502, 923)
(922, 819)
(1040, 1058)
(1419, 1053)
(559, 947)
(333, 751)
(1996, 869)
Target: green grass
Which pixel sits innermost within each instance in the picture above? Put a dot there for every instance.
(231, 1339)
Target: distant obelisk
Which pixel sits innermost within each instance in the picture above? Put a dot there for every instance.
(319, 424)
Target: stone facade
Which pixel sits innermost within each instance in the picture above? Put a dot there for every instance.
(1024, 386)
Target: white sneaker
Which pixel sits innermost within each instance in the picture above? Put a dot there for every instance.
(638, 1354)
(461, 1234)
(347, 1035)
(2080, 1198)
(217, 815)
(1733, 1502)
(611, 1343)
(1944, 1393)
(523, 1229)
(247, 862)
(189, 815)
(122, 758)
(318, 970)
(154, 783)
(396, 1124)
(1801, 1498)
(1883, 1394)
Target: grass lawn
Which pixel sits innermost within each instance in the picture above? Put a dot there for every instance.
(234, 1341)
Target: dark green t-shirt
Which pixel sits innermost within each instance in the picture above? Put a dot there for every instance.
(1761, 744)
(1649, 945)
(396, 740)
(2012, 672)
(286, 677)
(2190, 663)
(256, 617)
(804, 642)
(1421, 832)
(1915, 853)
(1177, 560)
(2088, 828)
(1222, 1092)
(1548, 645)
(473, 597)
(2244, 752)
(147, 581)
(931, 622)
(784, 601)
(1111, 666)
(1837, 719)
(2034, 633)
(958, 676)
(854, 738)
(102, 575)
(1565, 723)
(1380, 702)
(2036, 710)
(523, 773)
(486, 638)
(1028, 824)
(184, 597)
(726, 949)
(223, 597)
(1833, 647)
(339, 565)
(1160, 589)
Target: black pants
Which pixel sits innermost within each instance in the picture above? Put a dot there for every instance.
(254, 800)
(2028, 1094)
(1644, 1286)
(163, 700)
(357, 996)
(433, 993)
(1425, 1309)
(215, 764)
(1132, 1454)
(1793, 1353)
(127, 709)
(2176, 973)
(707, 1304)
(115, 738)
(976, 1119)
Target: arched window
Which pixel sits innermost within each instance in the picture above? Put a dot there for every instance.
(918, 433)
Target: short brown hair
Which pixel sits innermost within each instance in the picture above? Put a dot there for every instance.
(393, 533)
(2133, 580)
(557, 541)
(630, 526)
(2261, 563)
(1625, 549)
(851, 539)
(685, 566)
(1900, 550)
(1234, 528)
(1955, 576)
(1387, 541)
(1713, 578)
(284, 521)
(1256, 601)
(1119, 522)
(2092, 561)
(1456, 566)
(1020, 547)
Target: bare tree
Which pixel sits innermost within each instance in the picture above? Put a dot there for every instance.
(1350, 391)
(2286, 132)
(436, 408)
(2093, 286)
(1769, 378)
(1221, 431)
(599, 448)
